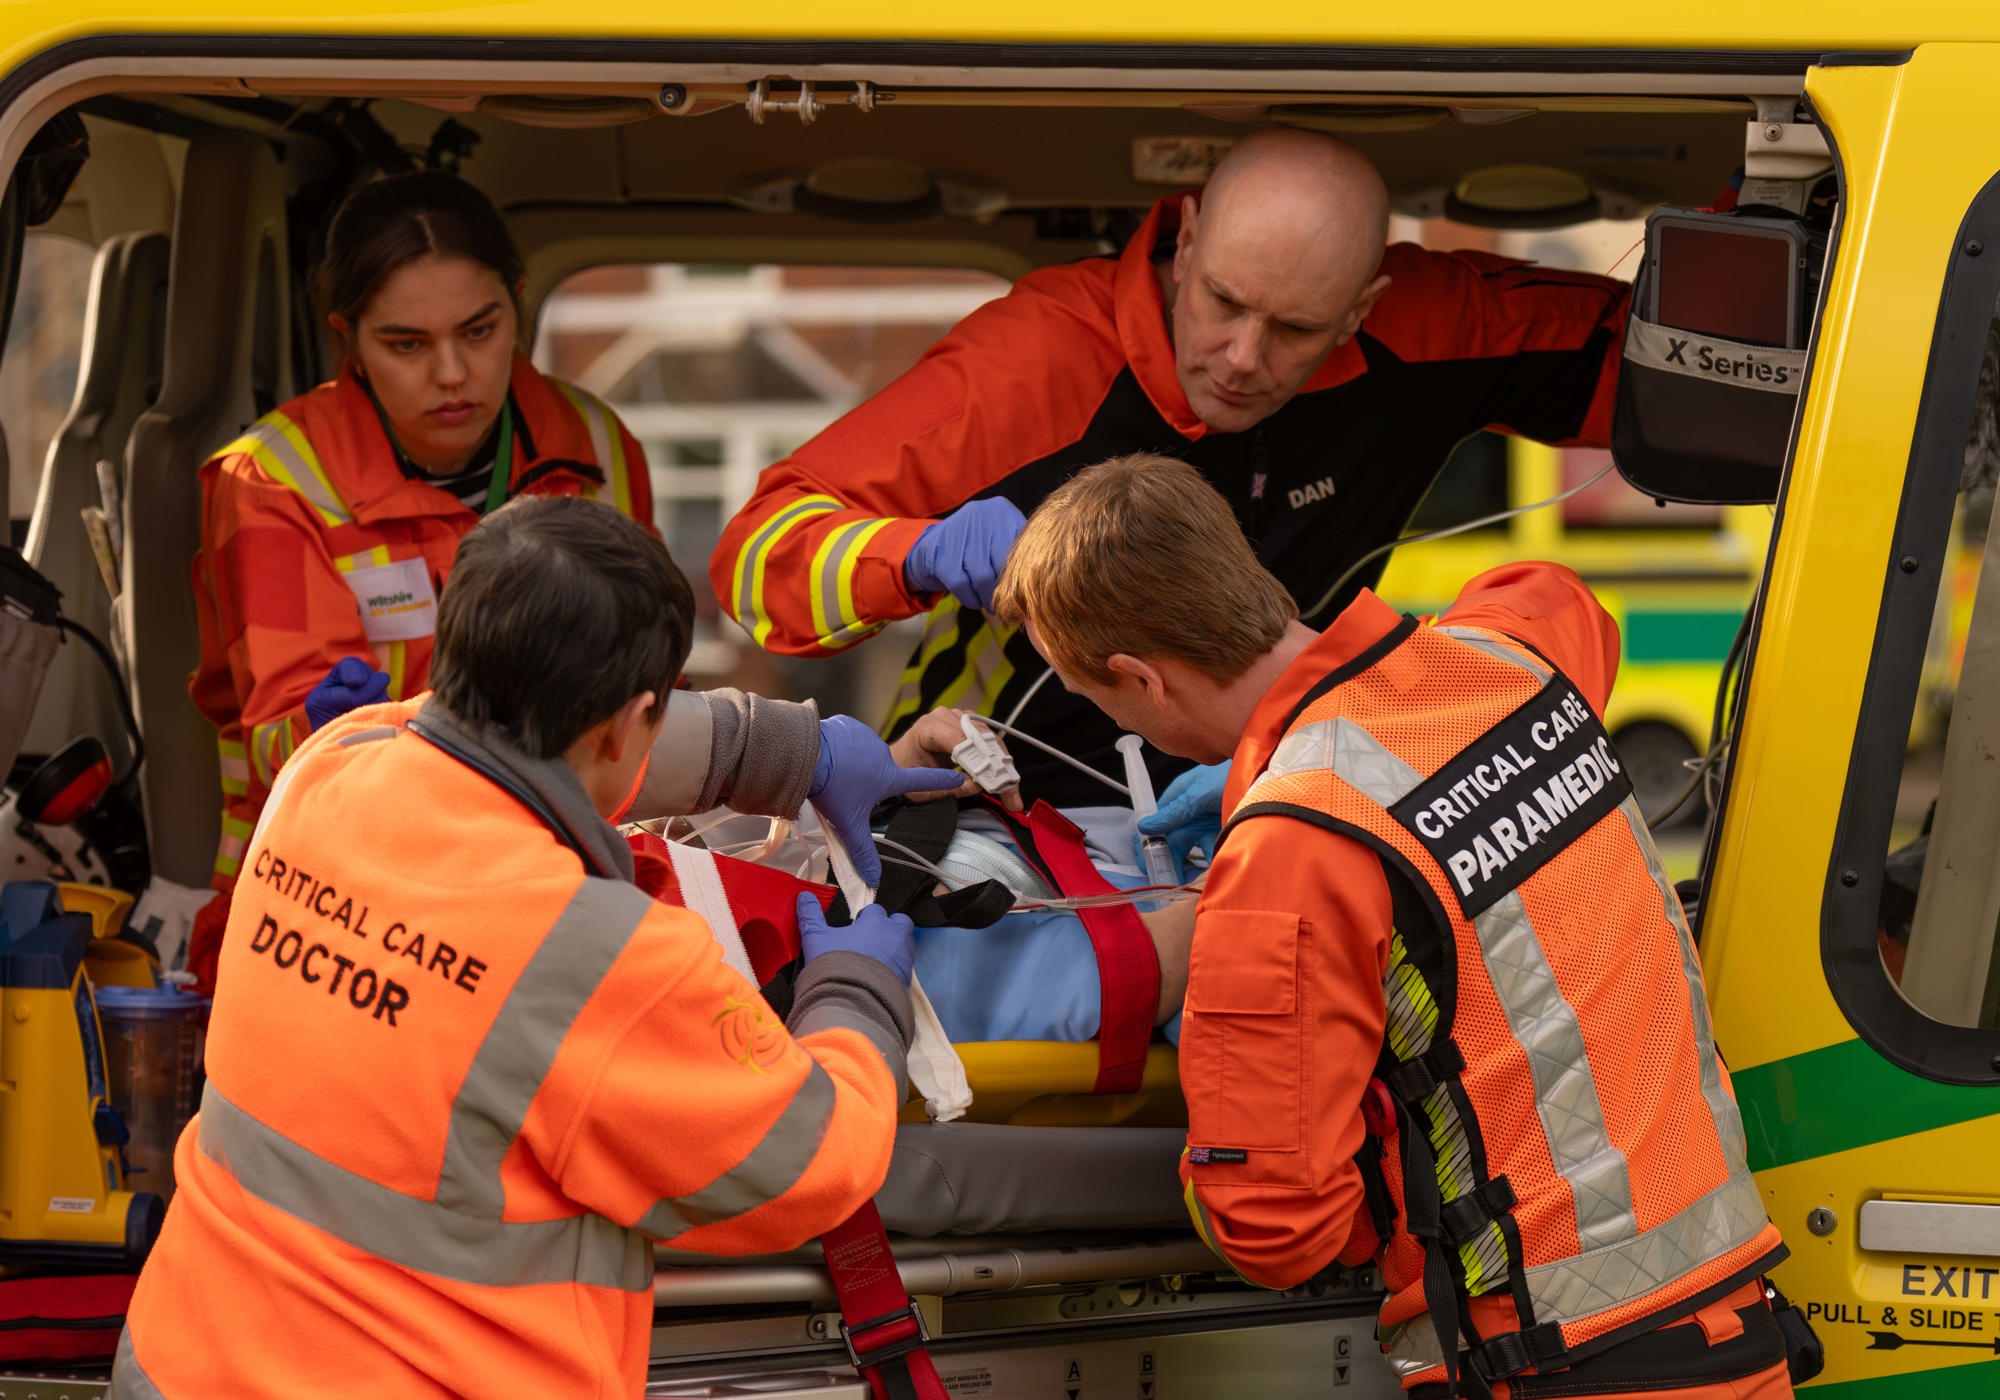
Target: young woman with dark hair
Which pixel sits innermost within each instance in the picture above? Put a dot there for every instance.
(329, 526)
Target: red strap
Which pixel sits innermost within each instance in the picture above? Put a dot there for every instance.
(884, 1334)
(1128, 966)
(764, 901)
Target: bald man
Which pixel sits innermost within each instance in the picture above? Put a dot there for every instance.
(1260, 331)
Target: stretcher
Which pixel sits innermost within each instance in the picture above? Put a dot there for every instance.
(1031, 1103)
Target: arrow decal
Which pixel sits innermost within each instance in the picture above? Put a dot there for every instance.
(1890, 1341)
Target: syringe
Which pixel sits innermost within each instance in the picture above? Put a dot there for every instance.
(1161, 868)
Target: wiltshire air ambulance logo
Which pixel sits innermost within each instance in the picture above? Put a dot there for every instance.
(749, 1036)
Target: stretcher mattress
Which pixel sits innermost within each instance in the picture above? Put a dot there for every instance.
(984, 1178)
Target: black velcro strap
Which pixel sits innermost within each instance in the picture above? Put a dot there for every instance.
(1466, 1216)
(1375, 1188)
(1415, 1080)
(927, 829)
(1511, 1353)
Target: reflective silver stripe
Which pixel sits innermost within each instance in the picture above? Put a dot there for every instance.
(417, 1234)
(1348, 751)
(1568, 1290)
(750, 563)
(369, 736)
(1412, 1346)
(838, 622)
(521, 1044)
(290, 466)
(129, 1380)
(1726, 1218)
(1721, 1103)
(1497, 650)
(1545, 1026)
(773, 1167)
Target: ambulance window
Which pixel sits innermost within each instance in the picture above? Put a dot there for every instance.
(39, 368)
(1939, 921)
(720, 370)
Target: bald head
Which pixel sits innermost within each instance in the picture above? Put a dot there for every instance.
(1275, 266)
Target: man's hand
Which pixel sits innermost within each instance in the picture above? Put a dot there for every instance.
(1189, 814)
(351, 684)
(854, 772)
(963, 553)
(928, 744)
(888, 938)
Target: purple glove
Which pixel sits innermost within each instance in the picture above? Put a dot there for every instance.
(855, 772)
(888, 938)
(1189, 814)
(963, 553)
(351, 684)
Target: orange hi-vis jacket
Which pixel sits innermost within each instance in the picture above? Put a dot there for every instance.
(316, 546)
(1075, 365)
(1434, 867)
(454, 1098)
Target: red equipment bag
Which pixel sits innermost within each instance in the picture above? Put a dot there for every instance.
(76, 1318)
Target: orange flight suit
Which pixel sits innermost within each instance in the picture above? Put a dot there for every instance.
(316, 546)
(1433, 871)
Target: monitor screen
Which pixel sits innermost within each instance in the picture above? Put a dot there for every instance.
(1733, 283)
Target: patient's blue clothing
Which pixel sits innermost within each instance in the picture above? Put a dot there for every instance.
(1031, 976)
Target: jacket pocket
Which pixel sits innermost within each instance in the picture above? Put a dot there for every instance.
(1242, 1047)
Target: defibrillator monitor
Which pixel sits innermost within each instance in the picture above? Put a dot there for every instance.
(1737, 278)
(1714, 355)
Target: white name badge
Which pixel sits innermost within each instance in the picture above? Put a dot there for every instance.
(396, 600)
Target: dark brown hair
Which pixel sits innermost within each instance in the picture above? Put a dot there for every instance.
(396, 220)
(1141, 555)
(557, 612)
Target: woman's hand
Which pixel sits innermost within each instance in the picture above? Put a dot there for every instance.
(928, 744)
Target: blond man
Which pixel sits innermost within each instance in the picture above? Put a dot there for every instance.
(1434, 919)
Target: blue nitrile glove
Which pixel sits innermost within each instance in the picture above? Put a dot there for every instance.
(1189, 814)
(963, 553)
(351, 684)
(890, 939)
(854, 772)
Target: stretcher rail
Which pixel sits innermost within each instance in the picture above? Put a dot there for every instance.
(938, 1275)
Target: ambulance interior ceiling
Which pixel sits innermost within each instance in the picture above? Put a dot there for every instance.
(1026, 178)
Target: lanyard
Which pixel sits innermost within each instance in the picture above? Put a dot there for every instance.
(503, 460)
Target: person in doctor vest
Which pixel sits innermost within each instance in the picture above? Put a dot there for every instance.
(1444, 1012)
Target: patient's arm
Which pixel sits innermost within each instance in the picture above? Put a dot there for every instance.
(1172, 927)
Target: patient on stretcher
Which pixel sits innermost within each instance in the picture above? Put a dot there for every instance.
(1033, 974)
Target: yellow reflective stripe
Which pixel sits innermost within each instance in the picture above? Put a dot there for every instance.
(235, 765)
(270, 746)
(939, 628)
(836, 621)
(229, 849)
(367, 558)
(750, 563)
(283, 452)
(606, 443)
(987, 666)
(397, 664)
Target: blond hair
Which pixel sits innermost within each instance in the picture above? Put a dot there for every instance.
(1140, 555)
